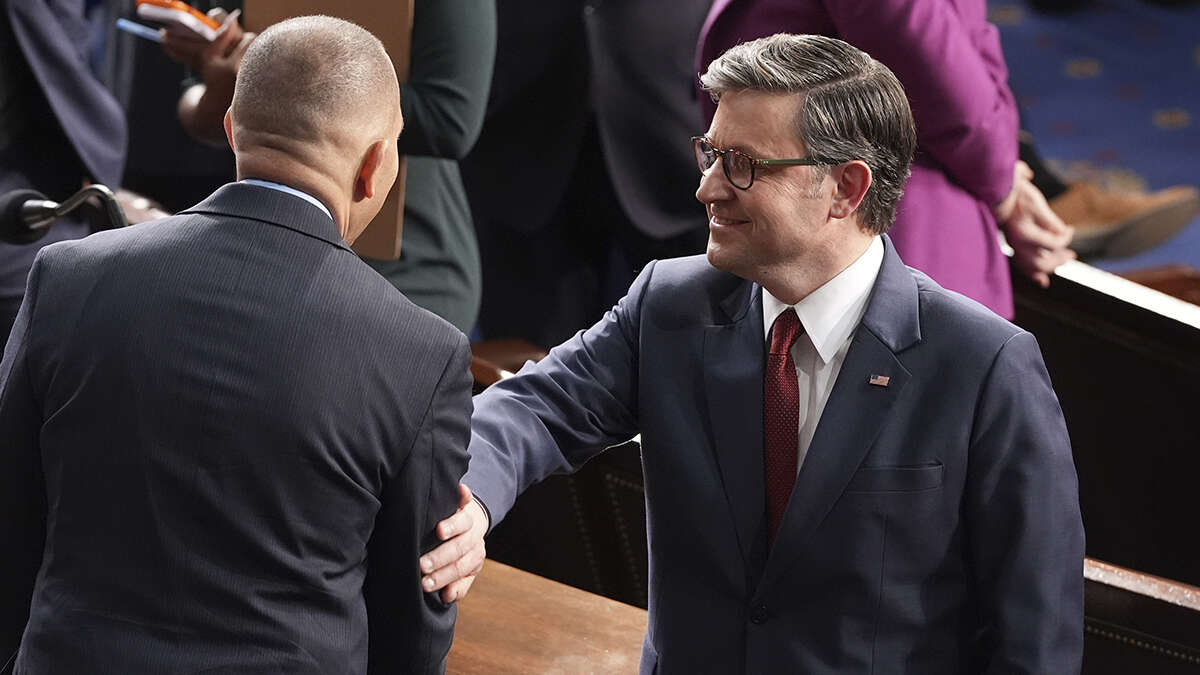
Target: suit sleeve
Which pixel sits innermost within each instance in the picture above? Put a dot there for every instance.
(22, 487)
(445, 97)
(956, 80)
(1024, 525)
(558, 413)
(410, 630)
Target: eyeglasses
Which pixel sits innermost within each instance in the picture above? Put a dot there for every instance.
(738, 166)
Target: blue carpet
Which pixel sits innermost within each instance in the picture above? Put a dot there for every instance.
(1111, 93)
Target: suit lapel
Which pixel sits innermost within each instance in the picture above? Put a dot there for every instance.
(856, 409)
(733, 374)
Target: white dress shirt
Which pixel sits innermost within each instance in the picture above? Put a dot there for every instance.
(830, 314)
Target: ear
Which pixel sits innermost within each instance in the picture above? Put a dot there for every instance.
(229, 127)
(366, 183)
(853, 179)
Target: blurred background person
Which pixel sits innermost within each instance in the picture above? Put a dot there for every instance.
(162, 158)
(583, 171)
(59, 126)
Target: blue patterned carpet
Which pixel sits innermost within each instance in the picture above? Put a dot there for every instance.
(1112, 94)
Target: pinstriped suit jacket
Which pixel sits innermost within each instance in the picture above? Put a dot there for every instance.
(226, 441)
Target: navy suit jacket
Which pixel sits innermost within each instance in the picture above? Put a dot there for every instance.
(226, 442)
(934, 526)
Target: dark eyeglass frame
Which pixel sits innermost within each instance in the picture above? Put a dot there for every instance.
(720, 153)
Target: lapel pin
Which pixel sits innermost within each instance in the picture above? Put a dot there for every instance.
(879, 380)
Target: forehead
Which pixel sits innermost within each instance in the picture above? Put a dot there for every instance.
(757, 122)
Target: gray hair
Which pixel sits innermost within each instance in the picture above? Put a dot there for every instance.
(852, 107)
(312, 76)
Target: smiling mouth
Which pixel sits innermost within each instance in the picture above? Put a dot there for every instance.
(725, 221)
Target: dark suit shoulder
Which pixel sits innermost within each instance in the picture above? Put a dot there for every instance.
(950, 317)
(74, 259)
(389, 311)
(342, 290)
(689, 291)
(97, 245)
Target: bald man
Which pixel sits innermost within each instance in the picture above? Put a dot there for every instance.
(225, 439)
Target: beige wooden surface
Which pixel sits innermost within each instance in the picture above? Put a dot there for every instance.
(516, 622)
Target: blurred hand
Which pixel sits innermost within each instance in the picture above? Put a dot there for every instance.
(1039, 238)
(189, 48)
(139, 209)
(453, 565)
(217, 64)
(202, 107)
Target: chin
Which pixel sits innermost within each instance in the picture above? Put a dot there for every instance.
(722, 258)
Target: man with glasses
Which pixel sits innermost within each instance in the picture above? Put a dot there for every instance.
(848, 468)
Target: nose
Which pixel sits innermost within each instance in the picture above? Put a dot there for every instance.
(714, 187)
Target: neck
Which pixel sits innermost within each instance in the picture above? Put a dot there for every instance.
(791, 283)
(282, 168)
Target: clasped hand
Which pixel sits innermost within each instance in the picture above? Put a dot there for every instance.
(1039, 238)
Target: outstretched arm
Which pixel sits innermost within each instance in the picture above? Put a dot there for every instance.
(550, 418)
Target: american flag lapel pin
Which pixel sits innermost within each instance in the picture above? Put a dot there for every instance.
(879, 380)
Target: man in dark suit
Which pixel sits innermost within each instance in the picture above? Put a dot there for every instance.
(58, 125)
(226, 438)
(582, 171)
(849, 469)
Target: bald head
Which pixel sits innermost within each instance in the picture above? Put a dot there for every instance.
(317, 106)
(314, 78)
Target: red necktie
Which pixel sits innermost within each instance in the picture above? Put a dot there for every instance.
(781, 418)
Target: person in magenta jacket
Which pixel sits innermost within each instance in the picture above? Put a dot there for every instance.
(966, 181)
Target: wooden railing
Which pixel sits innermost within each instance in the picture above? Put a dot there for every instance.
(516, 622)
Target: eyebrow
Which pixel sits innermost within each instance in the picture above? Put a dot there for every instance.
(742, 148)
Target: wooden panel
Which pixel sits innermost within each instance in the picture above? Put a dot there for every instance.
(1125, 362)
(517, 622)
(587, 529)
(1138, 623)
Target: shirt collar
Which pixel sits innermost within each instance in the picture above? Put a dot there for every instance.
(832, 312)
(291, 191)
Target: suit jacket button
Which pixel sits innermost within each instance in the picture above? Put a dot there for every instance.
(758, 615)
